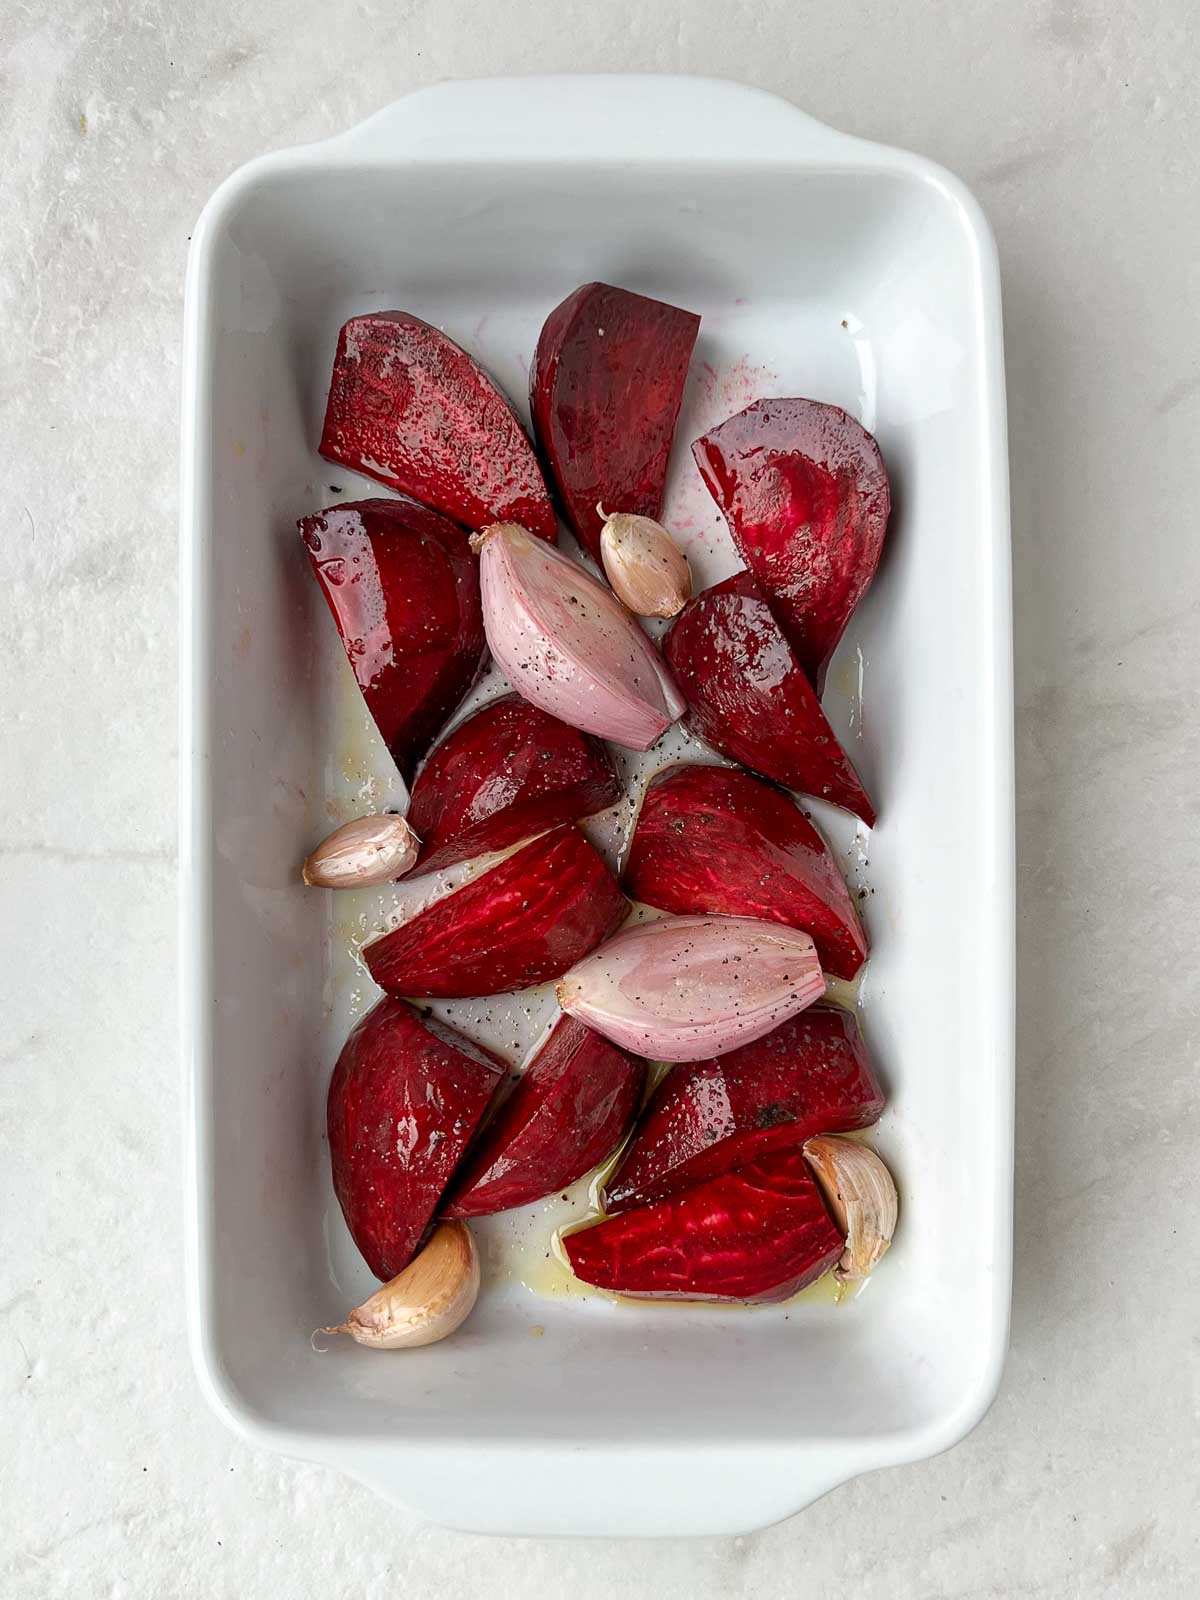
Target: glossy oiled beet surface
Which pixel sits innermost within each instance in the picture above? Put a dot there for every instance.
(748, 697)
(605, 390)
(568, 1111)
(509, 771)
(715, 839)
(405, 1097)
(403, 587)
(411, 408)
(805, 493)
(521, 922)
(810, 1075)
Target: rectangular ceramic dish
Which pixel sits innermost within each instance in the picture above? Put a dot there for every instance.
(822, 266)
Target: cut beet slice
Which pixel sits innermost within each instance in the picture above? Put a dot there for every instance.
(714, 839)
(761, 1233)
(570, 1109)
(405, 1097)
(809, 1076)
(509, 771)
(748, 697)
(525, 920)
(403, 587)
(805, 493)
(605, 392)
(411, 408)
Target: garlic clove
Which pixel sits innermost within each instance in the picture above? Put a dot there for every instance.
(861, 1197)
(366, 851)
(427, 1301)
(644, 565)
(567, 644)
(686, 988)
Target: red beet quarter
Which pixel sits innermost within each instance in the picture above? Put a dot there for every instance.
(809, 1076)
(749, 699)
(569, 1110)
(403, 587)
(805, 493)
(523, 921)
(405, 1097)
(409, 407)
(715, 839)
(605, 391)
(761, 1233)
(508, 771)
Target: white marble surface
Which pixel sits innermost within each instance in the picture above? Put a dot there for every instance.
(1077, 123)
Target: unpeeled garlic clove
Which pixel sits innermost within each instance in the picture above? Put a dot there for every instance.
(567, 644)
(644, 565)
(861, 1197)
(427, 1301)
(359, 853)
(685, 988)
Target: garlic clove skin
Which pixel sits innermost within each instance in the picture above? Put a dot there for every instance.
(686, 988)
(646, 568)
(426, 1302)
(567, 644)
(366, 851)
(861, 1197)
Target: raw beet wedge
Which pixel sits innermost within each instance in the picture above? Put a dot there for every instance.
(570, 1109)
(748, 697)
(809, 1076)
(761, 1233)
(509, 771)
(523, 921)
(805, 493)
(403, 587)
(605, 391)
(714, 839)
(405, 1097)
(409, 407)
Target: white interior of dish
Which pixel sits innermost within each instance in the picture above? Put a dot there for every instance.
(851, 288)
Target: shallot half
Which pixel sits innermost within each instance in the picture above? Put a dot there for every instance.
(567, 644)
(686, 988)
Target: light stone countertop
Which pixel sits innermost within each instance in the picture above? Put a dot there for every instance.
(1077, 124)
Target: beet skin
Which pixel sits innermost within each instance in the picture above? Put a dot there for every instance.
(748, 697)
(405, 1097)
(569, 1111)
(715, 839)
(806, 496)
(605, 390)
(403, 587)
(509, 771)
(411, 408)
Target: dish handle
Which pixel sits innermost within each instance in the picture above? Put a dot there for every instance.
(536, 1489)
(602, 118)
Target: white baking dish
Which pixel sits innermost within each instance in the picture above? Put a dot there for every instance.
(822, 266)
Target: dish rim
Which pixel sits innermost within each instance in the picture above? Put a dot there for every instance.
(382, 139)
